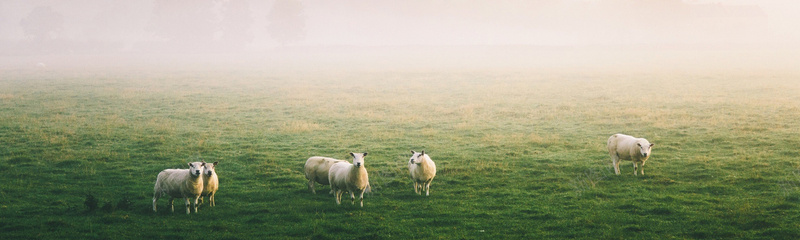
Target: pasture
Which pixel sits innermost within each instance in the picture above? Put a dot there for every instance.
(520, 153)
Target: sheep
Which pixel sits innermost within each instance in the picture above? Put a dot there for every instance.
(351, 177)
(179, 183)
(210, 183)
(624, 147)
(422, 171)
(316, 170)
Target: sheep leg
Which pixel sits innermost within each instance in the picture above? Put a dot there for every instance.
(337, 194)
(615, 161)
(211, 201)
(635, 168)
(171, 207)
(361, 198)
(311, 186)
(155, 200)
(186, 200)
(195, 203)
(352, 198)
(641, 168)
(428, 188)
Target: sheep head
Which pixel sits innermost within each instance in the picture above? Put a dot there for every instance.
(358, 159)
(210, 168)
(195, 168)
(416, 157)
(644, 148)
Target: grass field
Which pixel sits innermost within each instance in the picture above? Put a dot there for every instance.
(520, 154)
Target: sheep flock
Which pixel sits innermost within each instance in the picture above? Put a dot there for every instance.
(201, 179)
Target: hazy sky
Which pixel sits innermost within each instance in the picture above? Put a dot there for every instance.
(446, 22)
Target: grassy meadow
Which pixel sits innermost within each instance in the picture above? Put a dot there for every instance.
(520, 153)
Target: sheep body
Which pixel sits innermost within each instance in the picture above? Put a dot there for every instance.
(179, 183)
(344, 176)
(624, 147)
(316, 170)
(210, 183)
(422, 170)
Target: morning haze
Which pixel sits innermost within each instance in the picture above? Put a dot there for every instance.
(425, 33)
(514, 101)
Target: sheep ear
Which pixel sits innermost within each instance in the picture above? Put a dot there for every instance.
(353, 155)
(652, 144)
(422, 153)
(412, 152)
(215, 163)
(190, 164)
(638, 144)
(365, 154)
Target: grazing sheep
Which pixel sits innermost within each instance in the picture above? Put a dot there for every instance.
(316, 170)
(210, 183)
(351, 177)
(422, 171)
(179, 183)
(624, 147)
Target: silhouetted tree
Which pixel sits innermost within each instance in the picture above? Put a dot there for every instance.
(286, 21)
(42, 23)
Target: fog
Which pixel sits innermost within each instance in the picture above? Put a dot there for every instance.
(409, 33)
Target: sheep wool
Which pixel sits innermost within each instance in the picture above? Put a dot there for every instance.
(210, 183)
(179, 183)
(316, 170)
(624, 147)
(344, 176)
(422, 170)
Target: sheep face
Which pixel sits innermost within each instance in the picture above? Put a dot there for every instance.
(196, 168)
(416, 157)
(358, 159)
(210, 168)
(644, 148)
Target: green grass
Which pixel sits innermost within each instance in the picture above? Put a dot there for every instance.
(520, 154)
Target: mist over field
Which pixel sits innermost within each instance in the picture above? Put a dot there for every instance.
(514, 100)
(619, 34)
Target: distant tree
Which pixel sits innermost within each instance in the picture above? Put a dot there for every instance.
(286, 21)
(42, 23)
(235, 25)
(184, 23)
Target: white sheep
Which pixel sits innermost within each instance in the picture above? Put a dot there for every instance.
(422, 171)
(210, 183)
(624, 147)
(350, 177)
(179, 183)
(316, 170)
